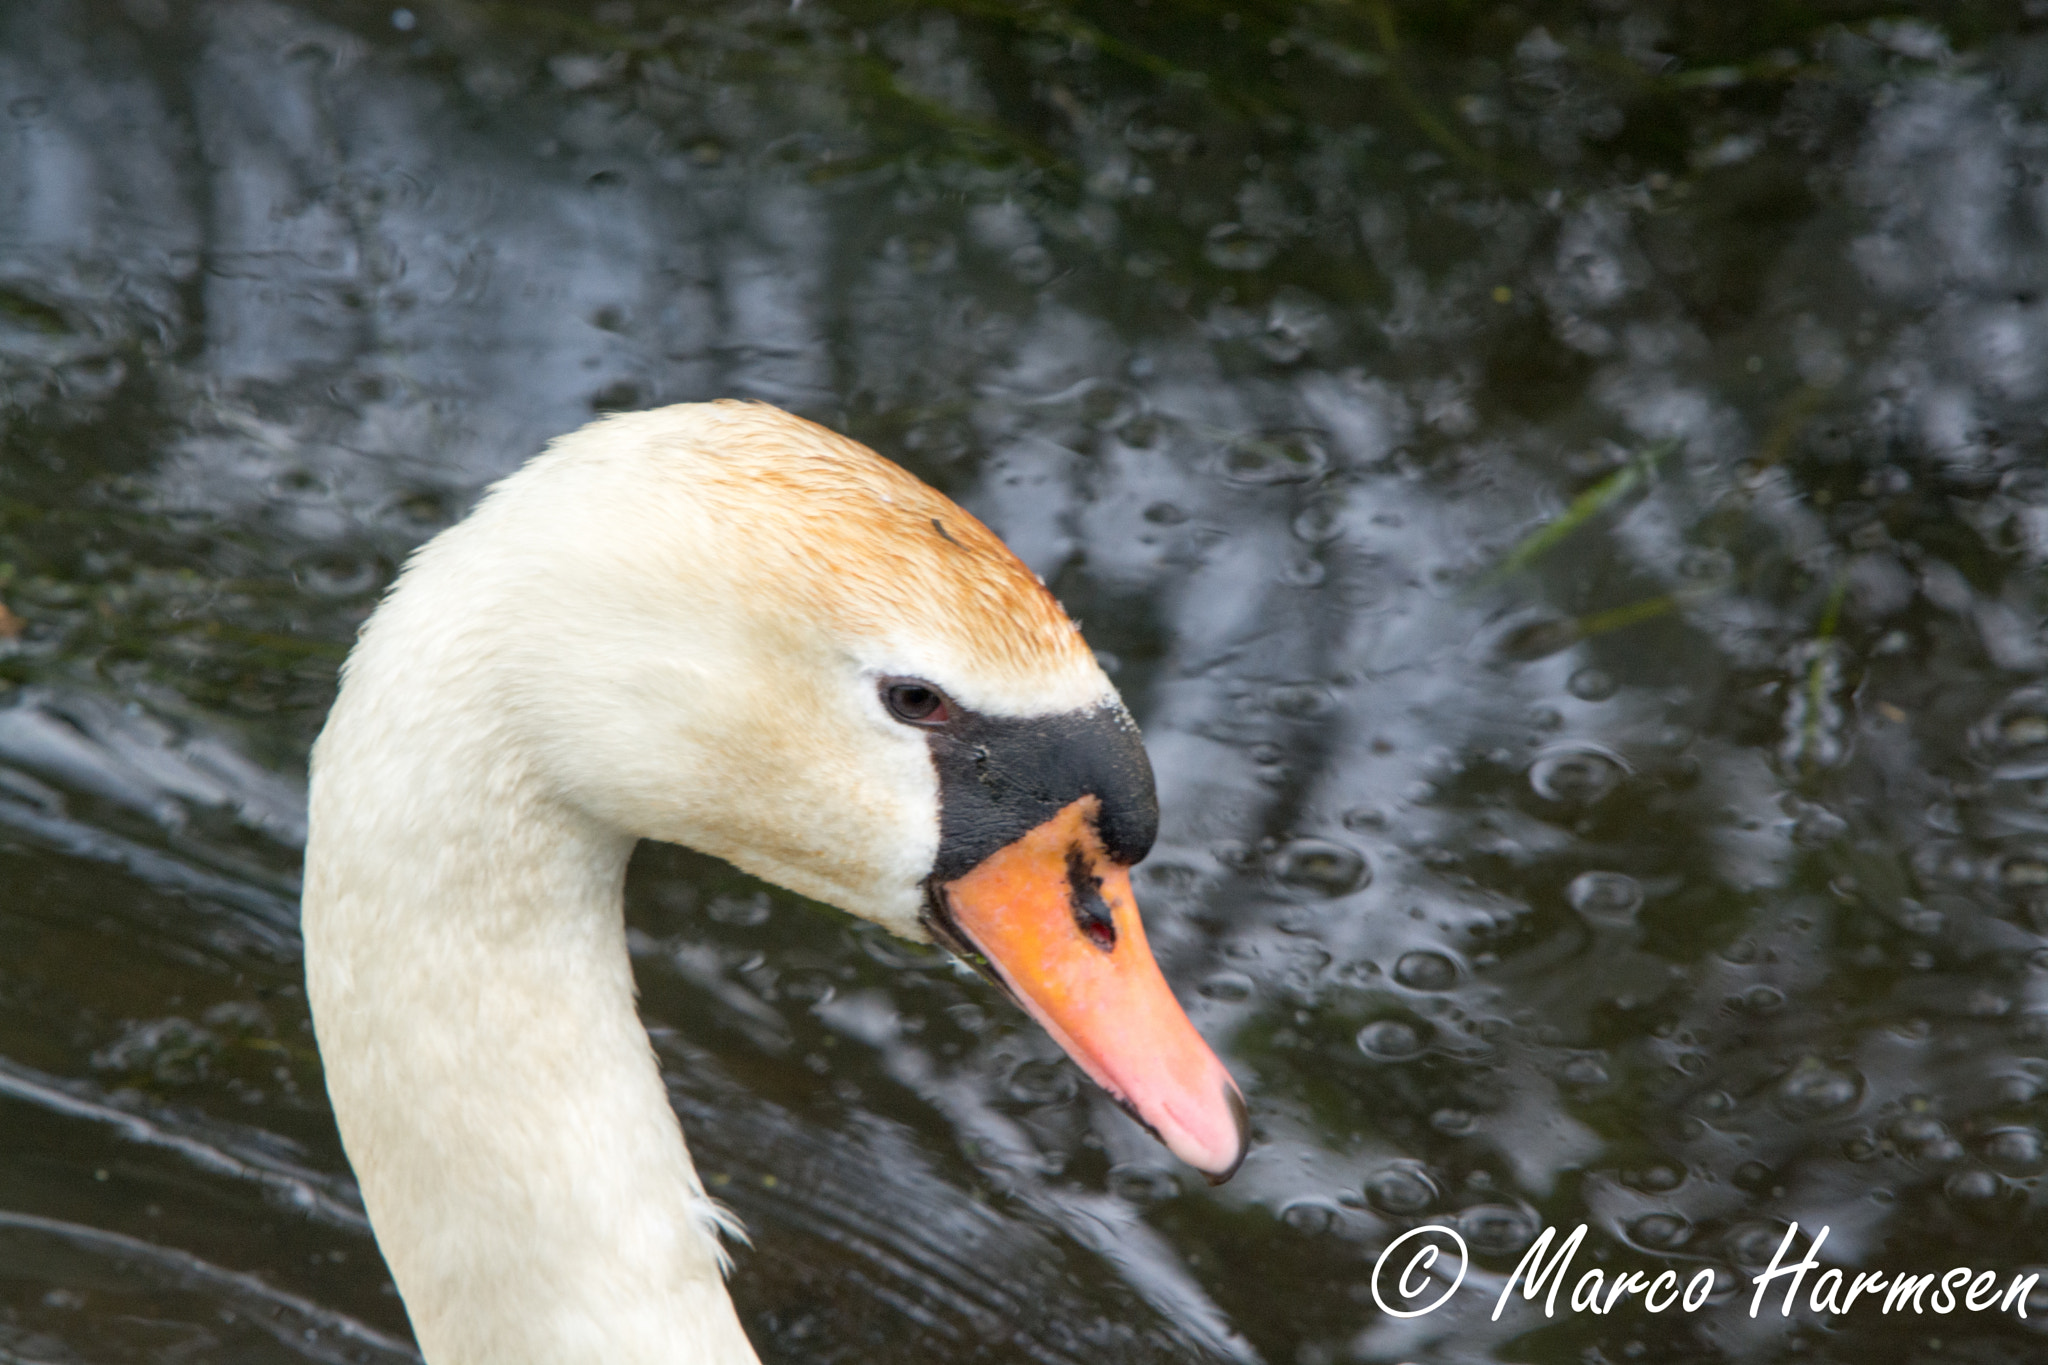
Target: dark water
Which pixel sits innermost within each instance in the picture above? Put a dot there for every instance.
(1564, 488)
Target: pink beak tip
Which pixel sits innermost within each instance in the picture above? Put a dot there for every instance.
(1241, 1119)
(1215, 1155)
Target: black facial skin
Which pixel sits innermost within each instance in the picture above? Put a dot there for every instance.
(1000, 777)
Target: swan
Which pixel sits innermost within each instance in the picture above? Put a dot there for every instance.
(726, 627)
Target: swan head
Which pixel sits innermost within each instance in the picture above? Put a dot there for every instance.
(723, 626)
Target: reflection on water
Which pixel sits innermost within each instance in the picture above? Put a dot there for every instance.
(1562, 488)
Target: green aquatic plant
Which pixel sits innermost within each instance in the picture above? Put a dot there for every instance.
(1580, 511)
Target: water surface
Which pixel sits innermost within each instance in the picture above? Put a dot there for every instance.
(1563, 487)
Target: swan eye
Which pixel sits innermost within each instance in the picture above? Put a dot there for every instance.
(916, 703)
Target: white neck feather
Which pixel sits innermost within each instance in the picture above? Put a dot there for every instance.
(466, 961)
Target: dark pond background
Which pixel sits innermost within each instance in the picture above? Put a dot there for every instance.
(1563, 487)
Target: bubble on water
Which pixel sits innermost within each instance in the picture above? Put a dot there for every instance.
(1497, 1229)
(1753, 1176)
(1165, 514)
(1916, 918)
(1309, 1217)
(1751, 1245)
(2016, 1150)
(1655, 1179)
(1275, 457)
(1235, 854)
(1425, 971)
(1170, 877)
(1452, 1121)
(1917, 1130)
(1299, 701)
(1818, 827)
(928, 254)
(897, 954)
(1142, 1184)
(1321, 520)
(1586, 1070)
(2024, 872)
(1815, 1090)
(1972, 1187)
(2013, 738)
(423, 508)
(300, 485)
(1660, 1231)
(1401, 1190)
(1393, 1040)
(1033, 264)
(1576, 775)
(1110, 405)
(1230, 247)
(1606, 897)
(1536, 639)
(1041, 1082)
(1591, 684)
(1230, 987)
(1706, 564)
(741, 910)
(337, 576)
(169, 1052)
(2017, 1089)
(1320, 866)
(1763, 999)
(2037, 1298)
(1140, 432)
(811, 987)
(2024, 731)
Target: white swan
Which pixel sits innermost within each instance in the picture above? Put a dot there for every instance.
(719, 625)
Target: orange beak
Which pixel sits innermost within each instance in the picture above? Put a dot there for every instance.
(1058, 924)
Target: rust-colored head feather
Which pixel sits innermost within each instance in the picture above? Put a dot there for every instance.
(857, 538)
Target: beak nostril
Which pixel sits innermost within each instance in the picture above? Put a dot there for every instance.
(1092, 915)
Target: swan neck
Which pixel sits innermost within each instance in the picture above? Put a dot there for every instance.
(494, 1086)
